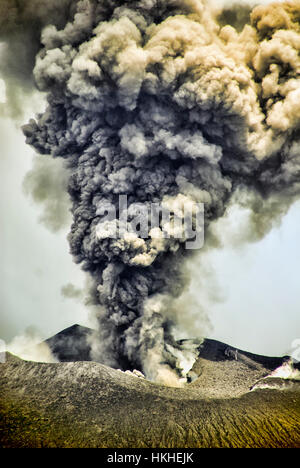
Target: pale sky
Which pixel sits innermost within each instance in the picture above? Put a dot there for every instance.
(34, 263)
(259, 288)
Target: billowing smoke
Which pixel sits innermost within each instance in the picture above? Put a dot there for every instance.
(21, 23)
(31, 347)
(163, 102)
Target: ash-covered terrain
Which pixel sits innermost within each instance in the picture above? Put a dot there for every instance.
(233, 399)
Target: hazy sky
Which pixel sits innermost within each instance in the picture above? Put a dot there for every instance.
(260, 288)
(35, 263)
(254, 290)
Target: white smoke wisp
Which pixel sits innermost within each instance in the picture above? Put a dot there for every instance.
(163, 101)
(31, 347)
(286, 371)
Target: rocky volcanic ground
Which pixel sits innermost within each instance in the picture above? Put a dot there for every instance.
(231, 402)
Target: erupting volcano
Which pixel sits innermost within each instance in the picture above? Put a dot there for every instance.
(158, 102)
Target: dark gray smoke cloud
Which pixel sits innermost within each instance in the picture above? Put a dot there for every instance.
(71, 292)
(47, 183)
(159, 101)
(21, 23)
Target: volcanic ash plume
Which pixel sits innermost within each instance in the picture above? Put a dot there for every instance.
(162, 102)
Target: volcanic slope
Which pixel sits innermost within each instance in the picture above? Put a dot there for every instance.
(87, 404)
